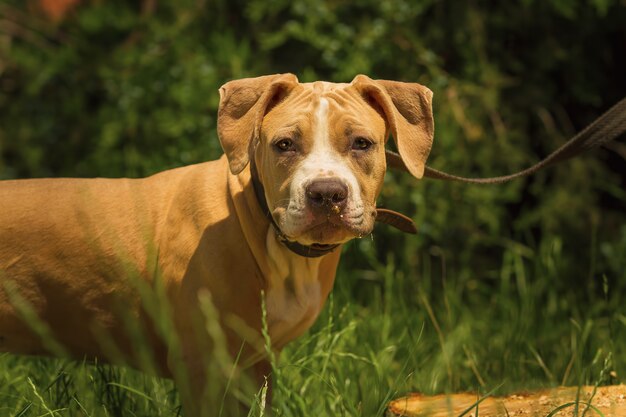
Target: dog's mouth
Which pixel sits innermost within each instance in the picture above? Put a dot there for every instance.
(329, 230)
(324, 234)
(324, 225)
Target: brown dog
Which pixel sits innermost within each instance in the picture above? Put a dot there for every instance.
(303, 166)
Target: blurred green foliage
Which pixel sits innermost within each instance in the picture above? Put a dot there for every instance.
(123, 88)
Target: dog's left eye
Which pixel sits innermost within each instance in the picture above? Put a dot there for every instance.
(361, 144)
(284, 145)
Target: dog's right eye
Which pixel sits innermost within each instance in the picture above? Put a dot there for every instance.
(284, 145)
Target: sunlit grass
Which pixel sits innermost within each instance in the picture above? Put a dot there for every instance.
(383, 333)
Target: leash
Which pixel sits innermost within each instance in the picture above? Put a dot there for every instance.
(604, 129)
(389, 217)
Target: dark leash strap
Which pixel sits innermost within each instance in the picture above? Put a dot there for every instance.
(604, 129)
(397, 220)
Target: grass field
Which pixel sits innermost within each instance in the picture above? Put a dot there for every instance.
(384, 333)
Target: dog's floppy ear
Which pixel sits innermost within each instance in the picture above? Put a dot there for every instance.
(243, 103)
(407, 107)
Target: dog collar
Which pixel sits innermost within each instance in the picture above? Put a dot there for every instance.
(386, 216)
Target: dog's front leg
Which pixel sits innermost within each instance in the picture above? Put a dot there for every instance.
(209, 389)
(204, 396)
(262, 371)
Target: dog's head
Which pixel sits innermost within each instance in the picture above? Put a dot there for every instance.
(319, 148)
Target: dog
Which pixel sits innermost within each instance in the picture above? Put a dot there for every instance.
(257, 233)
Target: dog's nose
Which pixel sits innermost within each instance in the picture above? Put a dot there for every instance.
(328, 193)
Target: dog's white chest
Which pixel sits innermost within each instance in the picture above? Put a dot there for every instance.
(294, 298)
(288, 314)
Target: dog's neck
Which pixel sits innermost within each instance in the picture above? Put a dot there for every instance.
(296, 287)
(257, 228)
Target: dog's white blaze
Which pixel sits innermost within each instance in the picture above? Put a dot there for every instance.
(323, 161)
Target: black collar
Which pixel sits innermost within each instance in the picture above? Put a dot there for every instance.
(310, 251)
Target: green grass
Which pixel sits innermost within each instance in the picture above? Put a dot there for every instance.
(385, 331)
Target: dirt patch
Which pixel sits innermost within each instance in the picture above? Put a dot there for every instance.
(610, 401)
